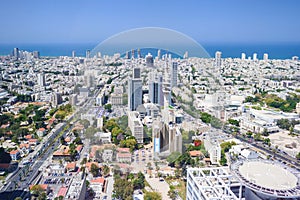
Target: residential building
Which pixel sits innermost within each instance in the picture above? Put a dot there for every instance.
(136, 126)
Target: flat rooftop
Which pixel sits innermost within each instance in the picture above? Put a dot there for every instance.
(268, 175)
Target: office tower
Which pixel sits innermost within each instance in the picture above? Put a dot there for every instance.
(73, 54)
(16, 53)
(266, 57)
(73, 99)
(56, 99)
(186, 55)
(218, 60)
(36, 54)
(158, 54)
(98, 54)
(156, 95)
(255, 56)
(132, 53)
(135, 94)
(174, 74)
(89, 78)
(139, 53)
(243, 56)
(149, 60)
(41, 80)
(87, 53)
(127, 55)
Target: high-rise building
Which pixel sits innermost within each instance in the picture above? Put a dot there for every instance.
(159, 54)
(243, 57)
(174, 74)
(36, 54)
(73, 54)
(139, 53)
(88, 54)
(255, 56)
(16, 53)
(135, 93)
(132, 53)
(89, 78)
(218, 56)
(98, 54)
(136, 126)
(186, 55)
(149, 60)
(56, 99)
(41, 80)
(266, 56)
(156, 94)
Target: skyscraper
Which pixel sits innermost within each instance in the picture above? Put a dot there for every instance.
(243, 56)
(218, 60)
(158, 54)
(88, 54)
(135, 94)
(266, 56)
(16, 53)
(41, 80)
(36, 54)
(255, 56)
(139, 53)
(174, 74)
(149, 60)
(73, 54)
(156, 95)
(132, 53)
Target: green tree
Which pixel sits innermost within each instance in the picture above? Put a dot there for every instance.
(298, 156)
(108, 107)
(152, 196)
(42, 196)
(36, 190)
(172, 194)
(234, 122)
(105, 170)
(122, 188)
(173, 157)
(94, 170)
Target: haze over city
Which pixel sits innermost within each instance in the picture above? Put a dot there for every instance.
(156, 100)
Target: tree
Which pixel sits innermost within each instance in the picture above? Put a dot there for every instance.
(108, 107)
(36, 190)
(172, 194)
(105, 170)
(234, 122)
(152, 196)
(77, 140)
(173, 157)
(18, 198)
(122, 189)
(94, 170)
(139, 182)
(42, 196)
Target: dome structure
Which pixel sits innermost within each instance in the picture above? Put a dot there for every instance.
(151, 37)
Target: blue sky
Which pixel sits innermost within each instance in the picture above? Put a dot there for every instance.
(92, 21)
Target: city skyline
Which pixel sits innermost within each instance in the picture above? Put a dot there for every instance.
(206, 22)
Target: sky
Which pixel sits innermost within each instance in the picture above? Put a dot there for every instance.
(92, 21)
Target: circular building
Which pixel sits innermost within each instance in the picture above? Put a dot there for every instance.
(267, 180)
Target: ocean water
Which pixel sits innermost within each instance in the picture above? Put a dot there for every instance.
(275, 51)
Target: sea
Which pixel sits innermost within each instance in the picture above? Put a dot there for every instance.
(275, 51)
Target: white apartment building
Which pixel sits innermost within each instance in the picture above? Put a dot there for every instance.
(136, 126)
